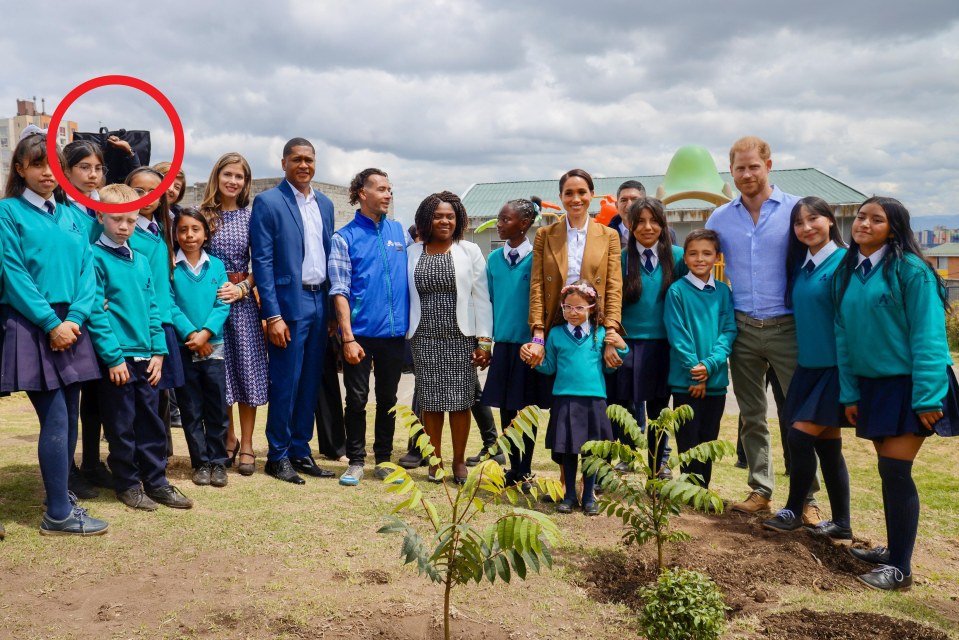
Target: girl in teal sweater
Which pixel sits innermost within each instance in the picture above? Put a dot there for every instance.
(650, 265)
(198, 316)
(812, 406)
(48, 293)
(574, 353)
(895, 373)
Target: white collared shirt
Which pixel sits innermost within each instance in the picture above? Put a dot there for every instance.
(699, 283)
(106, 241)
(875, 258)
(314, 255)
(523, 250)
(575, 246)
(624, 231)
(204, 258)
(585, 327)
(821, 255)
(144, 224)
(642, 257)
(34, 198)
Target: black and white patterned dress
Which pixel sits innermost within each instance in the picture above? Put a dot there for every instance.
(245, 360)
(442, 355)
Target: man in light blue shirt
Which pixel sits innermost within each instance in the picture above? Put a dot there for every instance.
(754, 233)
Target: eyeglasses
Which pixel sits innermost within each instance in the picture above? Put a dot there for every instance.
(95, 168)
(577, 308)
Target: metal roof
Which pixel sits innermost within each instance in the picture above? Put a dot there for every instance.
(485, 199)
(946, 250)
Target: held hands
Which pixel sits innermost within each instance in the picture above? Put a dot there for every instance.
(155, 370)
(64, 335)
(699, 373)
(613, 338)
(119, 375)
(353, 353)
(532, 354)
(698, 390)
(480, 358)
(613, 341)
(278, 333)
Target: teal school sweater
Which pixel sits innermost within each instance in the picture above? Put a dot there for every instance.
(643, 320)
(92, 225)
(47, 261)
(815, 313)
(155, 250)
(509, 292)
(894, 327)
(578, 364)
(196, 306)
(131, 327)
(701, 328)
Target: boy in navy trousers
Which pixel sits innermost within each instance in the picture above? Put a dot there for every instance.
(130, 344)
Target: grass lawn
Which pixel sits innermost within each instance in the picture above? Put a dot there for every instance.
(262, 558)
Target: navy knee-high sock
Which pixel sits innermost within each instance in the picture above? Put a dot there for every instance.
(902, 510)
(570, 462)
(52, 449)
(589, 484)
(836, 476)
(802, 468)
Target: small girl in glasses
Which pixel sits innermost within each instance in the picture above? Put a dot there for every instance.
(574, 353)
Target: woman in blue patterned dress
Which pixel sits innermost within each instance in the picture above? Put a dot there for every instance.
(226, 203)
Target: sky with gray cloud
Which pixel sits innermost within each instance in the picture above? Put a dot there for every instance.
(442, 94)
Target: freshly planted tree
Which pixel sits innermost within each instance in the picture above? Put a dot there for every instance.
(458, 551)
(644, 502)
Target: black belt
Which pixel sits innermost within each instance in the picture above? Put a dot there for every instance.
(312, 287)
(764, 322)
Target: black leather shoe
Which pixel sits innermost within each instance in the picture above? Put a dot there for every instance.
(472, 461)
(879, 555)
(886, 578)
(308, 466)
(283, 470)
(832, 530)
(566, 506)
(135, 498)
(99, 476)
(785, 520)
(80, 486)
(218, 476)
(591, 508)
(412, 460)
(170, 496)
(201, 475)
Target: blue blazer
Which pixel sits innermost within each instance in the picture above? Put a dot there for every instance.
(276, 240)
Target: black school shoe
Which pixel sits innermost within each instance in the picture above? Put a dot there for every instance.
(218, 476)
(591, 508)
(412, 460)
(135, 498)
(785, 520)
(308, 466)
(170, 496)
(567, 506)
(879, 555)
(472, 461)
(886, 578)
(201, 475)
(98, 476)
(80, 486)
(830, 529)
(283, 470)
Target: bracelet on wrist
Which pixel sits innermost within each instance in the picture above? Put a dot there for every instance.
(538, 341)
(349, 341)
(486, 346)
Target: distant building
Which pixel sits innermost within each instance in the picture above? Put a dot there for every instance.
(483, 201)
(10, 129)
(945, 259)
(340, 195)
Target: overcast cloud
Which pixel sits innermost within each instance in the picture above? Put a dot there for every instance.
(445, 94)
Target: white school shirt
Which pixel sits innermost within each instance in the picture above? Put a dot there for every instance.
(823, 253)
(875, 258)
(523, 250)
(575, 246)
(699, 283)
(314, 255)
(204, 258)
(585, 327)
(34, 198)
(654, 259)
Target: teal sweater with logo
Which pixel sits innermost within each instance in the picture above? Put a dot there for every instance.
(155, 250)
(509, 293)
(815, 313)
(893, 326)
(578, 364)
(196, 306)
(643, 319)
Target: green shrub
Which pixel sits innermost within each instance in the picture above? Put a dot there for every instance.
(952, 330)
(683, 605)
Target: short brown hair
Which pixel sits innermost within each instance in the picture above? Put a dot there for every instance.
(749, 143)
(164, 168)
(702, 234)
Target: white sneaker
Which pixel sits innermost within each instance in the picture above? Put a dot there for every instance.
(352, 476)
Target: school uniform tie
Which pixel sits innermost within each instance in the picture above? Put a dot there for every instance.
(91, 212)
(153, 228)
(578, 333)
(49, 206)
(809, 266)
(708, 287)
(866, 267)
(513, 257)
(123, 252)
(648, 265)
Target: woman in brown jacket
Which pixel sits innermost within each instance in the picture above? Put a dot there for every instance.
(572, 249)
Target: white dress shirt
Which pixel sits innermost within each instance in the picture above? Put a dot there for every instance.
(699, 283)
(585, 327)
(575, 246)
(874, 259)
(821, 255)
(523, 250)
(34, 198)
(204, 258)
(642, 255)
(314, 255)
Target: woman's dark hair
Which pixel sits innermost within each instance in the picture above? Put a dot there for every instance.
(162, 213)
(191, 212)
(796, 250)
(414, 234)
(633, 282)
(702, 234)
(900, 242)
(525, 208)
(359, 181)
(427, 209)
(582, 288)
(78, 150)
(575, 173)
(31, 150)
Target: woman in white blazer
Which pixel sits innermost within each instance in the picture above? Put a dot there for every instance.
(451, 321)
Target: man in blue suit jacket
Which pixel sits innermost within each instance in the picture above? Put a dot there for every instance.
(290, 233)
